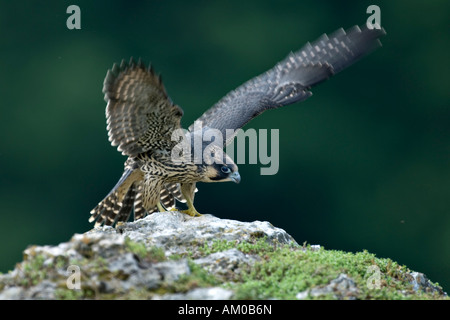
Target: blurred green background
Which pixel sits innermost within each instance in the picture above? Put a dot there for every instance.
(364, 163)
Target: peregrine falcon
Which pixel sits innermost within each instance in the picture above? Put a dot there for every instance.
(141, 119)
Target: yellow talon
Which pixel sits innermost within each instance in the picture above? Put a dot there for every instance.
(192, 212)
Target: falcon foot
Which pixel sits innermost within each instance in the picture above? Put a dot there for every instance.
(192, 212)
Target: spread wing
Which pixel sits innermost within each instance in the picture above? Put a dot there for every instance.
(291, 79)
(140, 115)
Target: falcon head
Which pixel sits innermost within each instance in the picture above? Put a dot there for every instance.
(212, 161)
(217, 172)
(218, 166)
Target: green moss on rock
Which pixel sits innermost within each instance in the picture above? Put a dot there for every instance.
(285, 271)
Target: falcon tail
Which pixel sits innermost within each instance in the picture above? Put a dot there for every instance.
(119, 202)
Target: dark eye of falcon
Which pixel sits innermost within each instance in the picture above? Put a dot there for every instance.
(225, 169)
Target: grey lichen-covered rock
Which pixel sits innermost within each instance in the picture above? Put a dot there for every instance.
(214, 293)
(226, 265)
(133, 260)
(421, 282)
(178, 233)
(343, 287)
(173, 256)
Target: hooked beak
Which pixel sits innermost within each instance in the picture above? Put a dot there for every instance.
(235, 177)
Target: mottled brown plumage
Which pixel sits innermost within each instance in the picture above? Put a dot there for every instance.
(141, 119)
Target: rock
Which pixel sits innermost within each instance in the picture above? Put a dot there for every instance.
(343, 287)
(12, 293)
(228, 264)
(173, 256)
(191, 231)
(215, 293)
(112, 262)
(420, 282)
